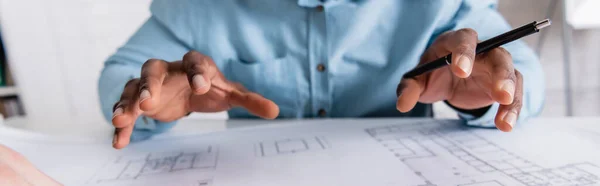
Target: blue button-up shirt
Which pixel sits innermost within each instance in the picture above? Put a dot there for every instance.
(332, 58)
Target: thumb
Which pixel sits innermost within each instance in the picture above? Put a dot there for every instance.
(408, 92)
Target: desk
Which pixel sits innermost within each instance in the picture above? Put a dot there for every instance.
(102, 129)
(195, 126)
(328, 152)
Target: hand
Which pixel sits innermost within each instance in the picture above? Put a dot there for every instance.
(471, 82)
(15, 170)
(168, 91)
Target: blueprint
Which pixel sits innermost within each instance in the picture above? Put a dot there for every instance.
(354, 152)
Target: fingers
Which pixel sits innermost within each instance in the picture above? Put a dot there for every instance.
(125, 112)
(504, 80)
(507, 115)
(507, 87)
(254, 103)
(462, 43)
(122, 136)
(200, 70)
(408, 92)
(154, 72)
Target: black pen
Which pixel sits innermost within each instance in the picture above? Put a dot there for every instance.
(484, 46)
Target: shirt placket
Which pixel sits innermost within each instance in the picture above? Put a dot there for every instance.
(318, 59)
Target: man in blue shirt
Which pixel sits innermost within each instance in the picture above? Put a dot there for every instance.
(316, 58)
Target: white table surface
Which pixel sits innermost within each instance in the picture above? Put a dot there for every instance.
(102, 129)
(194, 126)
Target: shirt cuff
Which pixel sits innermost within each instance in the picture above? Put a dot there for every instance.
(486, 120)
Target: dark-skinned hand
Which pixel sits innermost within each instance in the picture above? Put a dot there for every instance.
(167, 91)
(470, 82)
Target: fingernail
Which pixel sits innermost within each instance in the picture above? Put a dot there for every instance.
(511, 119)
(464, 64)
(144, 95)
(509, 87)
(117, 112)
(115, 138)
(198, 81)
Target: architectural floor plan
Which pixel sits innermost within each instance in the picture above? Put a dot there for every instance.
(291, 146)
(464, 151)
(152, 164)
(383, 152)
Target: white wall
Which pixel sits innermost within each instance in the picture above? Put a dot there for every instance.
(585, 78)
(56, 50)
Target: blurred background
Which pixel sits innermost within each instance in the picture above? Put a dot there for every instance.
(55, 50)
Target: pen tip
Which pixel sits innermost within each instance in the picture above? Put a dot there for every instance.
(543, 24)
(547, 20)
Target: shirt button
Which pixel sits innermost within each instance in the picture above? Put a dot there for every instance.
(321, 67)
(322, 113)
(320, 8)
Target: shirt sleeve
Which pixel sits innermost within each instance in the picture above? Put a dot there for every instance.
(482, 16)
(162, 36)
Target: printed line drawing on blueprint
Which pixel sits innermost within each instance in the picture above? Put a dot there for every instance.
(478, 162)
(158, 163)
(202, 183)
(487, 183)
(290, 146)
